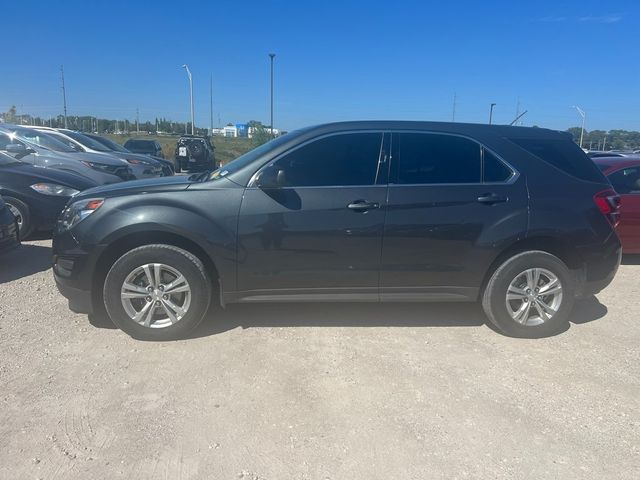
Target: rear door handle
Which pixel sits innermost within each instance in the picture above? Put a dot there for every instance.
(362, 205)
(491, 198)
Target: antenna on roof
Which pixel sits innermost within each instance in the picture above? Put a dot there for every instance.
(518, 117)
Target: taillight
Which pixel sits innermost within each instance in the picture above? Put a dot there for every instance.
(608, 201)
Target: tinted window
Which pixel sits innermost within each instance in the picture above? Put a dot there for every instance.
(349, 159)
(626, 180)
(432, 158)
(494, 169)
(562, 154)
(139, 144)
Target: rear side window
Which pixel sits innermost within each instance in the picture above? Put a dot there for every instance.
(562, 154)
(426, 158)
(626, 181)
(346, 159)
(495, 170)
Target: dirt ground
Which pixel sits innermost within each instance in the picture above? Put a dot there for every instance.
(316, 391)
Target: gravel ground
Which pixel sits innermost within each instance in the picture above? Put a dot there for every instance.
(315, 391)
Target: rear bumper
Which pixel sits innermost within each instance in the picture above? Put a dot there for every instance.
(601, 266)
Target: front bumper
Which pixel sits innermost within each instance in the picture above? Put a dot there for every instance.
(9, 237)
(80, 301)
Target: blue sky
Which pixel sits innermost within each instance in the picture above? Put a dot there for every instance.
(336, 60)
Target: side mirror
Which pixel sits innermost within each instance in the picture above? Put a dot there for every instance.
(16, 148)
(271, 177)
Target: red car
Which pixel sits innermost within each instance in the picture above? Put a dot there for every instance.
(624, 175)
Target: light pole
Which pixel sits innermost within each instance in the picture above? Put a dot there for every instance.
(186, 67)
(271, 56)
(583, 114)
(491, 113)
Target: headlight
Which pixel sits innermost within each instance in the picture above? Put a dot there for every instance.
(133, 161)
(78, 211)
(53, 189)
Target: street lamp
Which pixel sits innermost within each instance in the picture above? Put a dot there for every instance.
(491, 113)
(583, 114)
(186, 67)
(271, 56)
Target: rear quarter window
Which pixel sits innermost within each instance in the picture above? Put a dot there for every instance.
(562, 154)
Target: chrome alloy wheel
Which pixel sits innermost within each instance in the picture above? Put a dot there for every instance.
(156, 295)
(17, 214)
(534, 296)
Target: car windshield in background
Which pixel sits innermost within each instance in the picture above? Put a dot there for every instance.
(87, 141)
(250, 156)
(141, 144)
(42, 140)
(110, 144)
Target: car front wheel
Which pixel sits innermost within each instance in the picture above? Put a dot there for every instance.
(157, 292)
(530, 295)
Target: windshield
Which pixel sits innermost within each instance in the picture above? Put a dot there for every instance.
(110, 144)
(41, 139)
(87, 142)
(244, 160)
(140, 144)
(8, 160)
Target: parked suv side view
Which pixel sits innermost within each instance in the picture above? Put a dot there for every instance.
(381, 211)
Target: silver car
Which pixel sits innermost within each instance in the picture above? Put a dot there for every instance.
(43, 150)
(141, 167)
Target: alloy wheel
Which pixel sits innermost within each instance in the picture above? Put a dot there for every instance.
(534, 296)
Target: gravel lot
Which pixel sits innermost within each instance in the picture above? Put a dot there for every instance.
(316, 391)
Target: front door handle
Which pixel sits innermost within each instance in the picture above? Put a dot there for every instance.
(362, 205)
(491, 198)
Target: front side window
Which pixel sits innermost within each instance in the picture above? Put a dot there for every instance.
(426, 158)
(626, 181)
(337, 160)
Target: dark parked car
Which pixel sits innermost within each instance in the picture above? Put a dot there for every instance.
(358, 211)
(9, 236)
(146, 147)
(167, 166)
(624, 175)
(37, 195)
(194, 153)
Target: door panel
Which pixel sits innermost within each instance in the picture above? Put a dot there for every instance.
(440, 238)
(313, 223)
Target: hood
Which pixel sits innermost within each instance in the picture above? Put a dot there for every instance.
(48, 175)
(105, 159)
(160, 184)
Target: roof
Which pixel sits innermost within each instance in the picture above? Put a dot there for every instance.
(450, 127)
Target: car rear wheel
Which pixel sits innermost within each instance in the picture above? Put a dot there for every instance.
(530, 295)
(22, 213)
(157, 292)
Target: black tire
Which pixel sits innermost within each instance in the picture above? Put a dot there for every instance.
(495, 294)
(185, 263)
(24, 215)
(177, 167)
(196, 149)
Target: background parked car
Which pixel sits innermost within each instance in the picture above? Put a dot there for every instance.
(194, 153)
(36, 195)
(624, 175)
(167, 166)
(146, 147)
(43, 150)
(9, 236)
(141, 167)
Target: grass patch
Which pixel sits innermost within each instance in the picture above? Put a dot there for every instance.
(226, 148)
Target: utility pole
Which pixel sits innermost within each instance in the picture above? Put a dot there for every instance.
(453, 114)
(604, 142)
(491, 113)
(271, 56)
(186, 67)
(137, 121)
(64, 95)
(211, 104)
(583, 114)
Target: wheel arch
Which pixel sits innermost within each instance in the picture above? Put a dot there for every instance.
(549, 244)
(132, 240)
